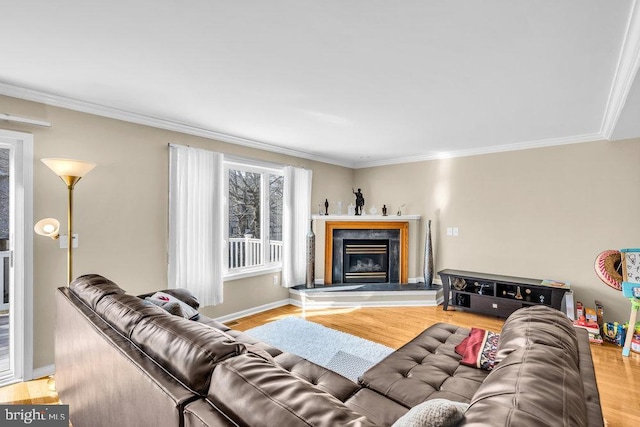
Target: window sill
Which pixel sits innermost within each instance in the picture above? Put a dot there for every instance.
(258, 271)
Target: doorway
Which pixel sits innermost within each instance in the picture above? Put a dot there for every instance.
(16, 256)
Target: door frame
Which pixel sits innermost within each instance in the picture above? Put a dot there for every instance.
(21, 247)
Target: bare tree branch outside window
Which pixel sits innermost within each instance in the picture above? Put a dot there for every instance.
(247, 240)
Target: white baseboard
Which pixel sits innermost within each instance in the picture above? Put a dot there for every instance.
(44, 371)
(352, 304)
(253, 310)
(323, 293)
(437, 281)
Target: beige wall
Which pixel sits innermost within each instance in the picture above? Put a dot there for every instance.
(121, 208)
(540, 213)
(543, 213)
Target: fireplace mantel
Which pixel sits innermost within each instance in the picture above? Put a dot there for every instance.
(410, 223)
(381, 218)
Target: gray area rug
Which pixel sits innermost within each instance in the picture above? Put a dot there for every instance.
(346, 354)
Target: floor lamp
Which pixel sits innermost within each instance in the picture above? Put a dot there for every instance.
(70, 171)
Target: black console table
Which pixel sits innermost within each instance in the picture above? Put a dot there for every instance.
(496, 295)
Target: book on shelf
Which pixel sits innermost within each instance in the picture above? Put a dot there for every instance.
(555, 284)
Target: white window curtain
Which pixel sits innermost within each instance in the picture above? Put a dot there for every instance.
(196, 242)
(295, 222)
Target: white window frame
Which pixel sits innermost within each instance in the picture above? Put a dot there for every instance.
(265, 170)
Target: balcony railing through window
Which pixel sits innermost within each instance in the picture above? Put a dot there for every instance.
(247, 252)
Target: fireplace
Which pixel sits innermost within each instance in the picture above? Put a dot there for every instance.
(331, 230)
(365, 261)
(365, 252)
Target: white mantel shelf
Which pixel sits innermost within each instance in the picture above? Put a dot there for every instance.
(381, 218)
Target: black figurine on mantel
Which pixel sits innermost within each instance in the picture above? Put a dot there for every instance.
(359, 201)
(326, 206)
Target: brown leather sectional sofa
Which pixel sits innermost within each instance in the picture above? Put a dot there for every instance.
(123, 362)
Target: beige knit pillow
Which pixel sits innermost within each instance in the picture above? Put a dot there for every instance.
(433, 413)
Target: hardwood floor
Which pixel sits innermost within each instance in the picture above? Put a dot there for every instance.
(618, 377)
(34, 392)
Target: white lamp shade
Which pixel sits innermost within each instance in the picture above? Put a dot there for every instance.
(47, 227)
(69, 167)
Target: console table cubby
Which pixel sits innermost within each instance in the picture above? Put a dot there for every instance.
(494, 294)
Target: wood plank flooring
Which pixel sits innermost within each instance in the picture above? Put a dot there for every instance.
(618, 377)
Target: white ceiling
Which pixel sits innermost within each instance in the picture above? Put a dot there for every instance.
(356, 83)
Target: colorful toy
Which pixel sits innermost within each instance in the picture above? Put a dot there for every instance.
(631, 290)
(614, 333)
(608, 266)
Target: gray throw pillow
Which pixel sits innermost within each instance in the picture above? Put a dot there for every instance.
(433, 413)
(173, 306)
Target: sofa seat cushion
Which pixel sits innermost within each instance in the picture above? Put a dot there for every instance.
(377, 408)
(335, 384)
(255, 392)
(248, 339)
(426, 368)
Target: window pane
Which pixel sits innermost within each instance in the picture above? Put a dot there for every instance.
(245, 247)
(276, 185)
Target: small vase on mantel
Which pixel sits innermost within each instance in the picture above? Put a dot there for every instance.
(428, 257)
(311, 258)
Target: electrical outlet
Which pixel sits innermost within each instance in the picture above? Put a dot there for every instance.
(449, 231)
(455, 231)
(276, 279)
(64, 241)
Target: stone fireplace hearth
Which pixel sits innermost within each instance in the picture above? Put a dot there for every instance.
(408, 292)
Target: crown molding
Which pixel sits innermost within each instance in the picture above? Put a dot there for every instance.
(114, 113)
(625, 74)
(486, 150)
(156, 122)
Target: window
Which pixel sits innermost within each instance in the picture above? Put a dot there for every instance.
(254, 218)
